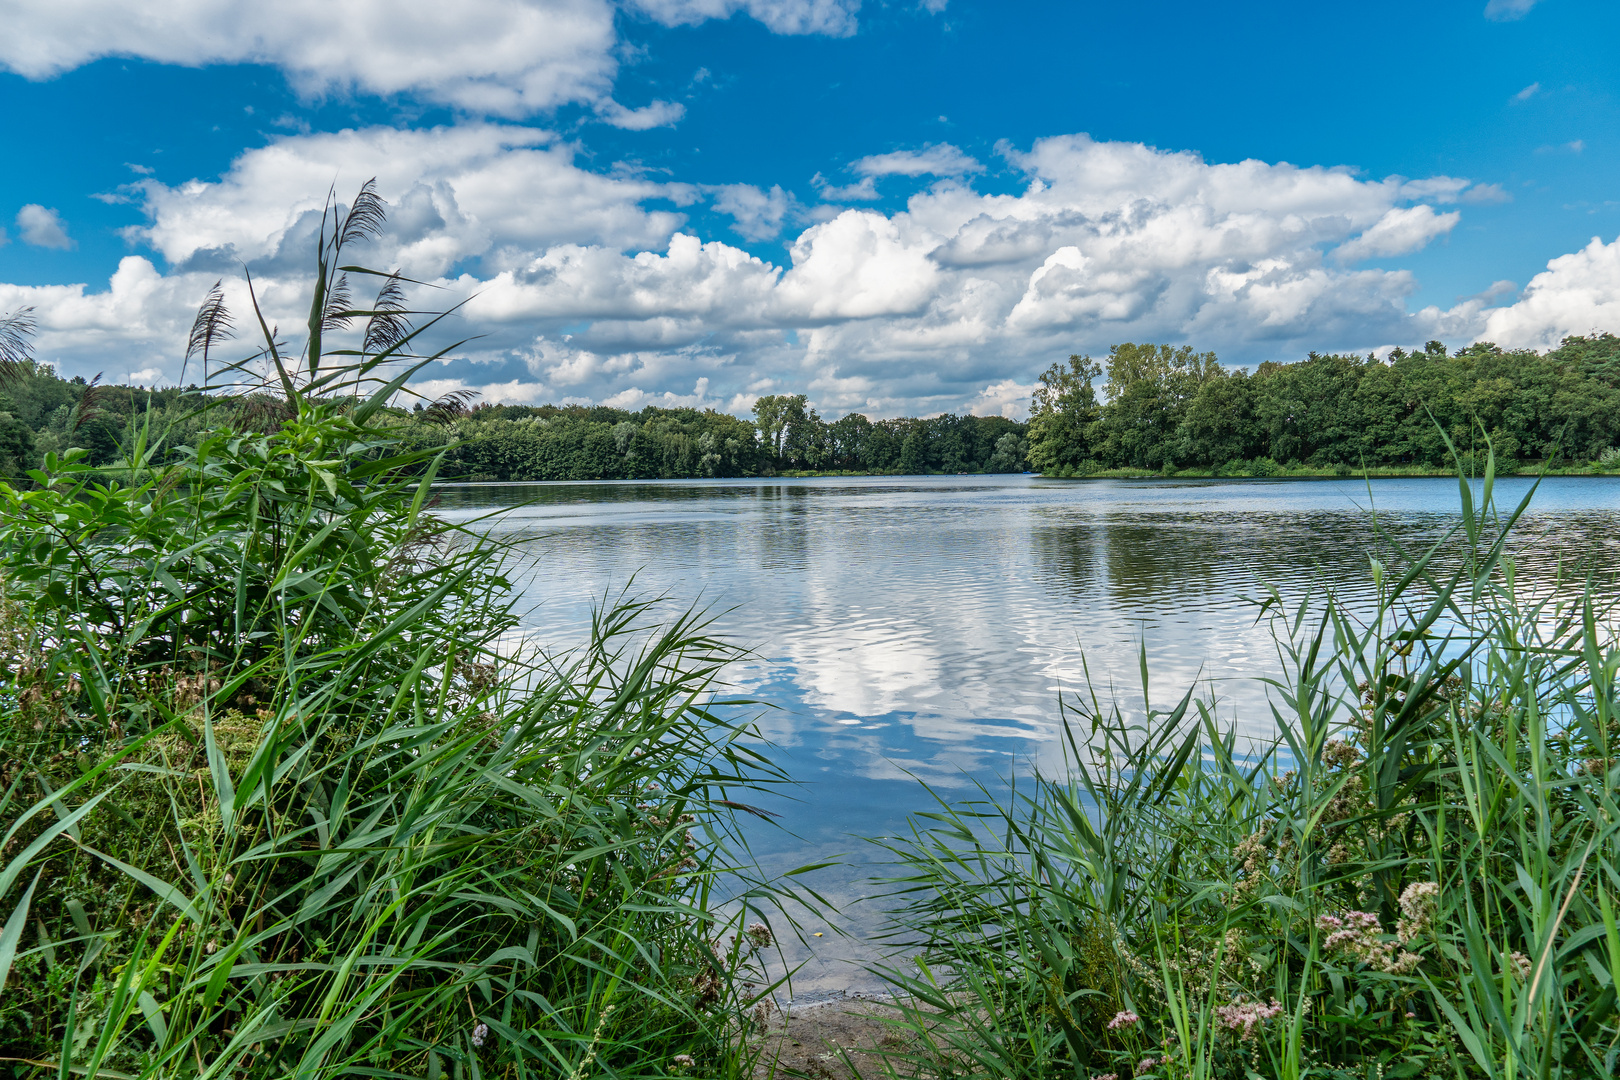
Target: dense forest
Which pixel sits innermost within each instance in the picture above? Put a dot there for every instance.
(576, 442)
(1146, 407)
(1166, 409)
(41, 413)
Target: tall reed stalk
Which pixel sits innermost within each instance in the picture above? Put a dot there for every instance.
(277, 796)
(1417, 878)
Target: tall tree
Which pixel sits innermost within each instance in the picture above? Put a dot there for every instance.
(1149, 390)
(1063, 410)
(772, 414)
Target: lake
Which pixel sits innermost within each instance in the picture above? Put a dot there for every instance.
(922, 628)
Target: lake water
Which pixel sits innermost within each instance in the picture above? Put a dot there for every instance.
(922, 628)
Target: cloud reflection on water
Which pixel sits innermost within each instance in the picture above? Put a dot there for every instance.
(928, 624)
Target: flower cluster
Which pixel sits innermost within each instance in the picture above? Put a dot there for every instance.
(1123, 1019)
(759, 935)
(1418, 903)
(1253, 860)
(1340, 754)
(1359, 936)
(1357, 933)
(1244, 1016)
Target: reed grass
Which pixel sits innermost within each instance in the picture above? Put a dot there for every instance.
(1418, 877)
(279, 798)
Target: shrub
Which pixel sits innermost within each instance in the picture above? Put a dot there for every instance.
(279, 797)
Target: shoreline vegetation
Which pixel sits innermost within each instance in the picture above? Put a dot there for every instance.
(1158, 411)
(280, 798)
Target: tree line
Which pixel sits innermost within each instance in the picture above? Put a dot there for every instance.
(1144, 407)
(42, 413)
(579, 442)
(1165, 408)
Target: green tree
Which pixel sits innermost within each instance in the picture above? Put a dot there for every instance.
(772, 414)
(805, 443)
(1063, 411)
(850, 435)
(1149, 389)
(1220, 425)
(1011, 455)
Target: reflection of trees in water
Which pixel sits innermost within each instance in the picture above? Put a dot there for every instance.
(1137, 558)
(1193, 559)
(1141, 564)
(783, 538)
(1067, 556)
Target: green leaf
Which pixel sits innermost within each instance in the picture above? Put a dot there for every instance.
(13, 932)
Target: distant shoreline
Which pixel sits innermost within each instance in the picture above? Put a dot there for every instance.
(1399, 473)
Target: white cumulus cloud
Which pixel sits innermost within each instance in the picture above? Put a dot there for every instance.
(470, 191)
(1400, 230)
(42, 227)
(759, 215)
(657, 114)
(1508, 10)
(488, 57)
(832, 17)
(1578, 293)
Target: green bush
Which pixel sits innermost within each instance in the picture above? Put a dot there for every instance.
(1263, 466)
(281, 797)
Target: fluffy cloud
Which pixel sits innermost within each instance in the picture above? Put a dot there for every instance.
(759, 215)
(488, 57)
(591, 286)
(939, 160)
(42, 227)
(1578, 293)
(139, 316)
(473, 191)
(1400, 230)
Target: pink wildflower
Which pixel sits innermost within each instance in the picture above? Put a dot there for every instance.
(1359, 935)
(1244, 1016)
(1123, 1020)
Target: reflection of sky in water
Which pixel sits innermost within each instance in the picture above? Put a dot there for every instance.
(922, 627)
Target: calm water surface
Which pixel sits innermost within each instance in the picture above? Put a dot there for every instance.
(922, 627)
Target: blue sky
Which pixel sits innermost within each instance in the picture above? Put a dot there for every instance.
(887, 206)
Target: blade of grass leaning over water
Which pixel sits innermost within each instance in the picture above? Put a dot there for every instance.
(1416, 878)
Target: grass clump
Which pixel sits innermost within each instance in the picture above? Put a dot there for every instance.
(1419, 878)
(278, 797)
